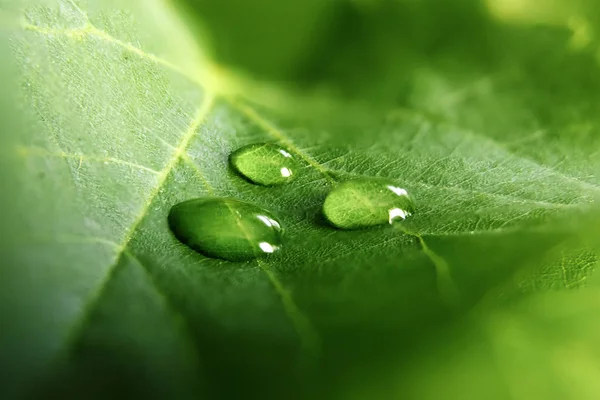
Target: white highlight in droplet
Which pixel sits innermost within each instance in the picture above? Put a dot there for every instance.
(265, 219)
(268, 221)
(285, 153)
(266, 247)
(398, 191)
(397, 213)
(285, 172)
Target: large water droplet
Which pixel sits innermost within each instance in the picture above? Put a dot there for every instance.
(364, 202)
(225, 228)
(265, 164)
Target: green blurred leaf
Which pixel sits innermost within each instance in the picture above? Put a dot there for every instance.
(113, 115)
(268, 38)
(544, 347)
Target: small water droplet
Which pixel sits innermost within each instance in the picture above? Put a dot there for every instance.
(364, 202)
(264, 164)
(225, 228)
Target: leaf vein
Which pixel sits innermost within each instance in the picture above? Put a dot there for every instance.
(309, 337)
(279, 135)
(33, 151)
(456, 189)
(439, 119)
(80, 10)
(81, 325)
(121, 249)
(89, 29)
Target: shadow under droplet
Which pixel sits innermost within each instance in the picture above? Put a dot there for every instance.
(316, 216)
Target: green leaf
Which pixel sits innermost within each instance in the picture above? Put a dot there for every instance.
(112, 115)
(269, 39)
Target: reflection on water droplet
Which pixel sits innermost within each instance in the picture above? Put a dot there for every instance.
(267, 247)
(225, 228)
(397, 190)
(268, 221)
(367, 202)
(264, 164)
(286, 172)
(397, 213)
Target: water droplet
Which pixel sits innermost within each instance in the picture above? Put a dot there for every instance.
(264, 164)
(225, 228)
(364, 202)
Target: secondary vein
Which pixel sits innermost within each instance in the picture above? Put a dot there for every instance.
(308, 335)
(310, 340)
(279, 135)
(33, 151)
(89, 29)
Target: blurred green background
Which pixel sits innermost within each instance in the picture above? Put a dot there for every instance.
(358, 45)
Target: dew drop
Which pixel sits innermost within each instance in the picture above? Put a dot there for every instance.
(265, 164)
(225, 228)
(364, 202)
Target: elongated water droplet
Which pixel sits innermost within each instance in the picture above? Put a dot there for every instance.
(363, 202)
(225, 228)
(264, 164)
